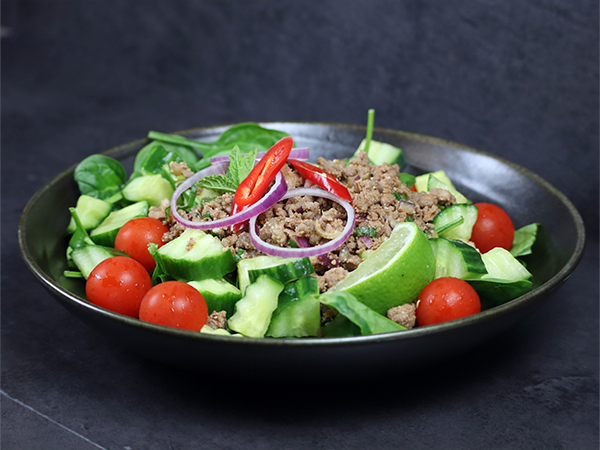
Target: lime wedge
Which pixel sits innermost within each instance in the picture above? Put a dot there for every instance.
(395, 273)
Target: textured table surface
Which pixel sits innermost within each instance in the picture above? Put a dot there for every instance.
(518, 79)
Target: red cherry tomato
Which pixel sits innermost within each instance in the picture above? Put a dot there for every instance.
(493, 228)
(119, 284)
(175, 304)
(134, 236)
(446, 299)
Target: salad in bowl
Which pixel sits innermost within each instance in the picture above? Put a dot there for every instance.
(244, 237)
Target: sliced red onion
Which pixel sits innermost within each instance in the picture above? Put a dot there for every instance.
(275, 194)
(366, 240)
(327, 261)
(301, 241)
(296, 153)
(287, 252)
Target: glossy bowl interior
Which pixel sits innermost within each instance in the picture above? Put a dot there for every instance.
(481, 177)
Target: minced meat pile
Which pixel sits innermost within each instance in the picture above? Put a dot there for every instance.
(381, 201)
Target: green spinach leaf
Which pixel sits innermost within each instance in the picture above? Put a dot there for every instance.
(100, 177)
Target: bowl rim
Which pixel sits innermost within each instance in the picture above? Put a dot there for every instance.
(519, 303)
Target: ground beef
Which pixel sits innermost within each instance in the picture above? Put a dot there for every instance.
(217, 320)
(404, 315)
(379, 198)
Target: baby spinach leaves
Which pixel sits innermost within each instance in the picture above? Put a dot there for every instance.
(100, 177)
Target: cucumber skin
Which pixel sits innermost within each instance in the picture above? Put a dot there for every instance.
(87, 258)
(212, 260)
(107, 238)
(291, 271)
(214, 266)
(282, 269)
(456, 252)
(298, 312)
(218, 301)
(253, 312)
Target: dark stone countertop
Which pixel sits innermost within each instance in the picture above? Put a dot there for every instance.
(518, 79)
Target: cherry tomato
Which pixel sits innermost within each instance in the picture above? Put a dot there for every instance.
(257, 182)
(119, 284)
(413, 188)
(446, 299)
(134, 236)
(175, 304)
(493, 228)
(321, 178)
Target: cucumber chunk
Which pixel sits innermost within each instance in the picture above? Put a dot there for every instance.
(454, 258)
(434, 182)
(253, 312)
(195, 256)
(438, 180)
(298, 312)
(506, 278)
(382, 152)
(219, 295)
(281, 269)
(87, 258)
(151, 188)
(91, 211)
(462, 229)
(106, 232)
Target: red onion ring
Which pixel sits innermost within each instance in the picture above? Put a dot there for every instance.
(286, 252)
(275, 194)
(297, 153)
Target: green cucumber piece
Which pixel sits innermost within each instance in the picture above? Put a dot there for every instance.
(194, 256)
(219, 295)
(298, 312)
(422, 181)
(453, 214)
(151, 188)
(434, 182)
(506, 278)
(369, 321)
(281, 269)
(438, 180)
(454, 258)
(106, 232)
(91, 211)
(253, 312)
(88, 257)
(382, 152)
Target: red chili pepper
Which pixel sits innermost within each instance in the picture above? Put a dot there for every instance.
(321, 178)
(257, 182)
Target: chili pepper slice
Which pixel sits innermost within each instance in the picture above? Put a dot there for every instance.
(257, 182)
(321, 178)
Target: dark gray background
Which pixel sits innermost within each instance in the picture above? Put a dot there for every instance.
(516, 78)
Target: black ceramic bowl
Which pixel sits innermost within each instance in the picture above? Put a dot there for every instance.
(481, 177)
